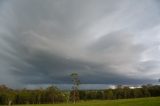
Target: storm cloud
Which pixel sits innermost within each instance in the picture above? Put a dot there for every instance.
(104, 41)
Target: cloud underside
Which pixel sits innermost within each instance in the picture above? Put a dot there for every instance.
(105, 42)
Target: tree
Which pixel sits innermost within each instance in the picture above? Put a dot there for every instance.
(127, 92)
(119, 92)
(109, 94)
(99, 95)
(75, 93)
(137, 93)
(145, 91)
(53, 95)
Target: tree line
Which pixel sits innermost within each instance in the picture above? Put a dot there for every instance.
(121, 93)
(49, 95)
(53, 95)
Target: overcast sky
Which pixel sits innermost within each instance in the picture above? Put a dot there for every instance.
(104, 41)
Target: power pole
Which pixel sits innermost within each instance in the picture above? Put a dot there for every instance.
(74, 92)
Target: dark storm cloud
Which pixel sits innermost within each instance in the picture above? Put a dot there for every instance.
(105, 41)
(47, 68)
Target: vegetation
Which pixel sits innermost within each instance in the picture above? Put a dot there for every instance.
(52, 95)
(124, 102)
(49, 95)
(121, 93)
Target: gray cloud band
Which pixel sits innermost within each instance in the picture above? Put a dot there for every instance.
(107, 42)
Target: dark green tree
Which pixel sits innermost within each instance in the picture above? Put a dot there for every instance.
(109, 94)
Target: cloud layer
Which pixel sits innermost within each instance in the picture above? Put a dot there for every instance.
(105, 41)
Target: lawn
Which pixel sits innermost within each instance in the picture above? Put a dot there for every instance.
(124, 102)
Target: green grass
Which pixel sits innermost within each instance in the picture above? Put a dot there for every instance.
(124, 102)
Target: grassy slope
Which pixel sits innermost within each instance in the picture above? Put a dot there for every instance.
(125, 102)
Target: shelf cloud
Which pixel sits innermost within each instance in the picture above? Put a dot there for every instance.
(104, 41)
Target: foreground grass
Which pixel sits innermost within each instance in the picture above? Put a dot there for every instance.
(124, 102)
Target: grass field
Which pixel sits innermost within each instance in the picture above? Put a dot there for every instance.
(125, 102)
